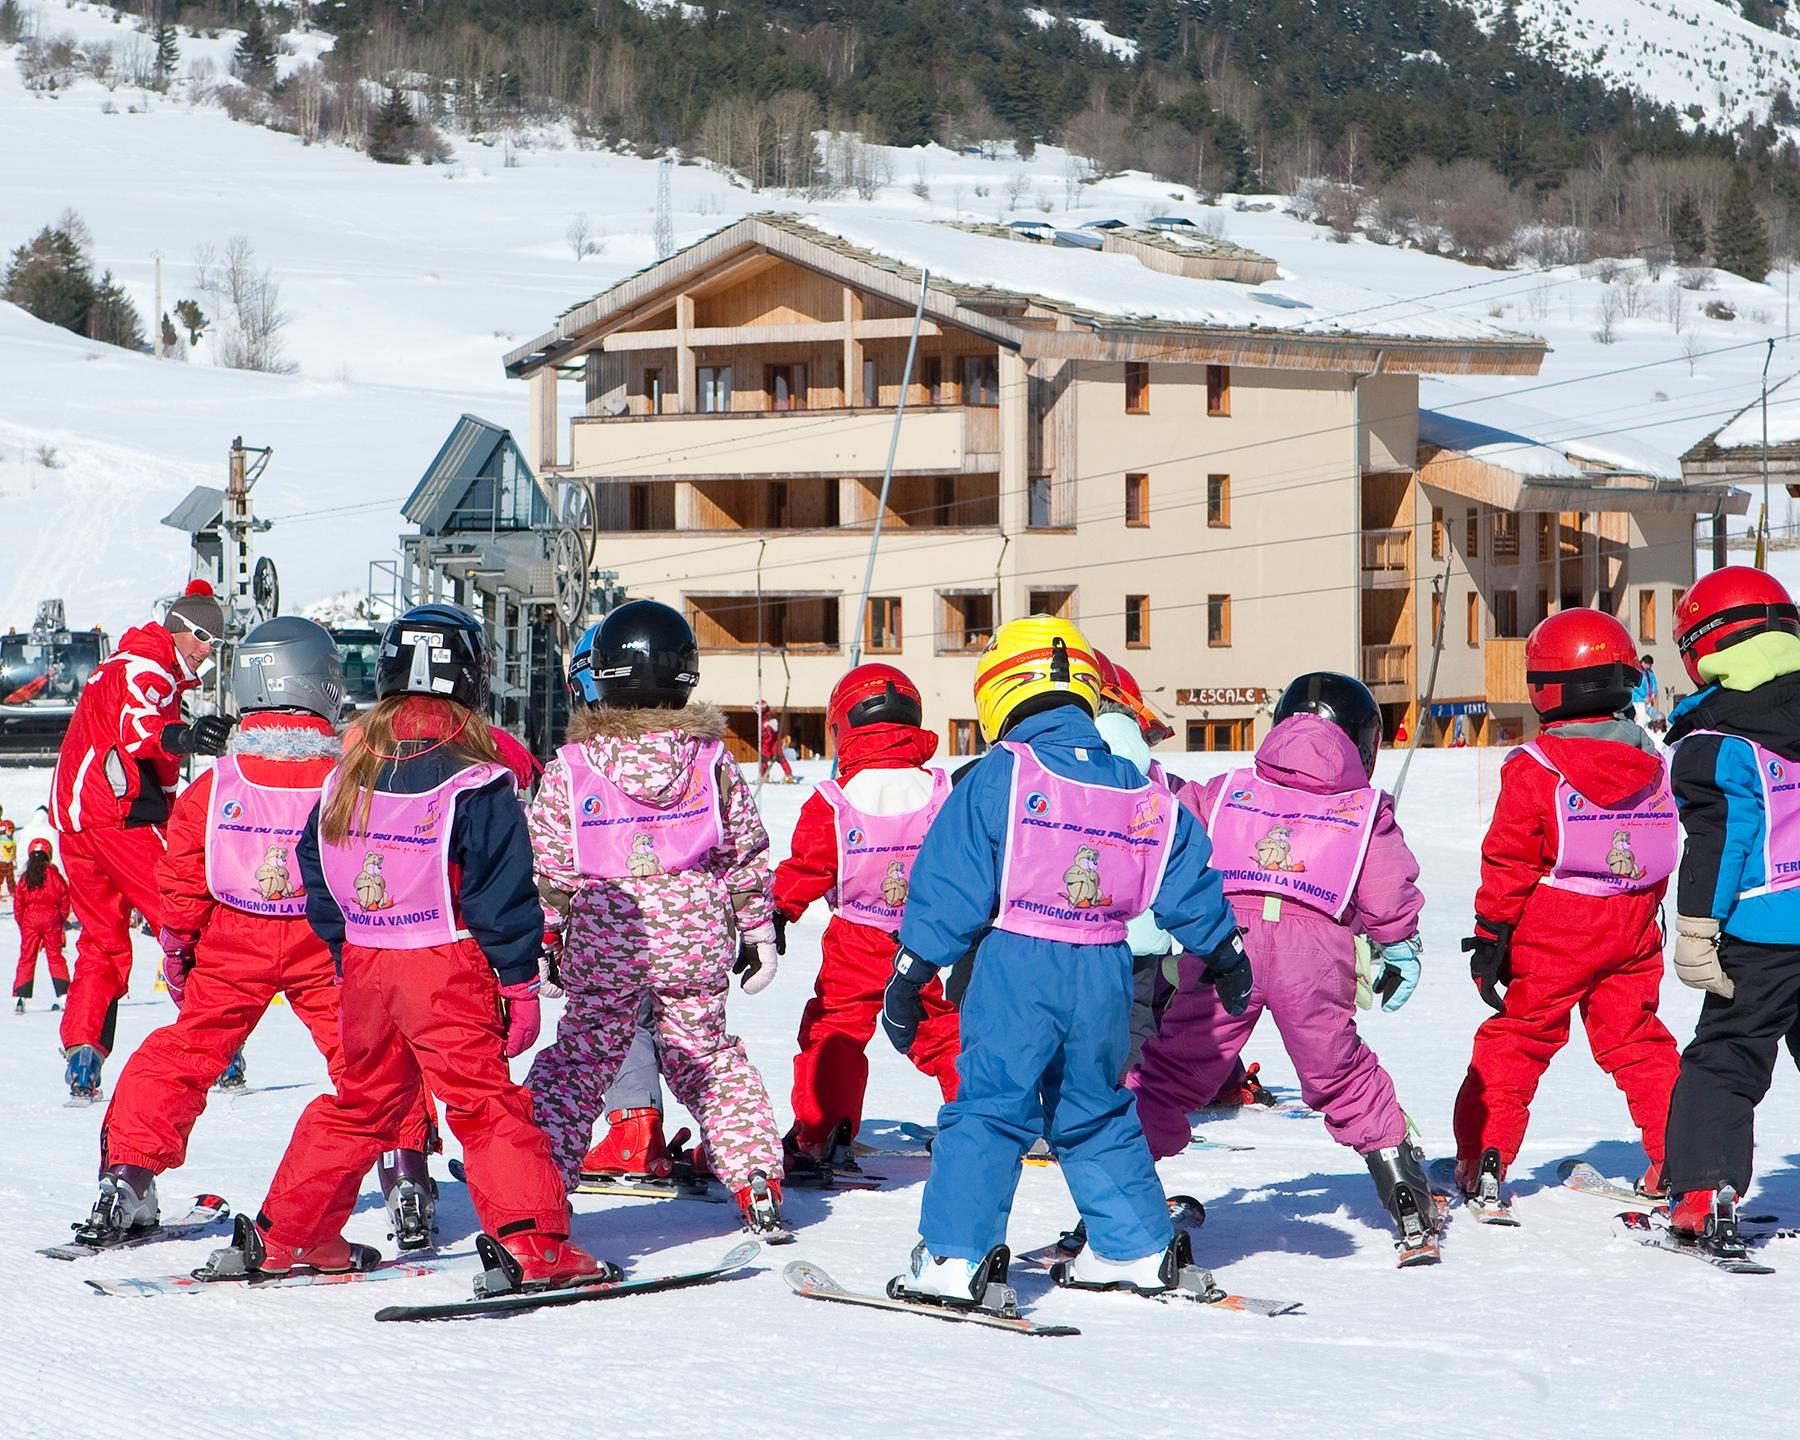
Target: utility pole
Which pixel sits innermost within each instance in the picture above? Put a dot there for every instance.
(157, 347)
(1762, 549)
(665, 210)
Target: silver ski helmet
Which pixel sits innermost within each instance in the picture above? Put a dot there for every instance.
(288, 663)
(437, 649)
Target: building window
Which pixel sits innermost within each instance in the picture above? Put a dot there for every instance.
(1137, 500)
(966, 738)
(1137, 622)
(1472, 535)
(1038, 514)
(773, 621)
(871, 383)
(1218, 502)
(1506, 536)
(787, 387)
(1137, 387)
(650, 506)
(653, 389)
(1474, 618)
(1437, 617)
(934, 380)
(1215, 735)
(1546, 528)
(967, 621)
(881, 635)
(1060, 603)
(1506, 614)
(1218, 389)
(715, 389)
(1218, 621)
(1440, 532)
(981, 380)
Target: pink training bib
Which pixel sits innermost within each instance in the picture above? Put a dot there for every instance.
(393, 881)
(1780, 781)
(875, 854)
(1600, 851)
(616, 837)
(1268, 839)
(251, 832)
(1081, 860)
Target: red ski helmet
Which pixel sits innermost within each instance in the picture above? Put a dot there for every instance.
(1125, 690)
(39, 846)
(1728, 605)
(1580, 662)
(6, 827)
(873, 694)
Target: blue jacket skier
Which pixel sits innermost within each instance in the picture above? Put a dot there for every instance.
(1044, 853)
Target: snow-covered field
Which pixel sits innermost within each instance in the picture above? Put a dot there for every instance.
(1536, 1331)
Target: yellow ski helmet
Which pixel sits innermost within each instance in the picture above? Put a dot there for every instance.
(1027, 660)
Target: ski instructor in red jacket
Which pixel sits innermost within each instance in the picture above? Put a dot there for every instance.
(110, 799)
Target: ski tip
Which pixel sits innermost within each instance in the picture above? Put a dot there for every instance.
(741, 1255)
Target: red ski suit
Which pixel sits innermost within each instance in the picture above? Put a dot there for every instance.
(41, 914)
(241, 963)
(109, 802)
(432, 1012)
(1602, 955)
(831, 1071)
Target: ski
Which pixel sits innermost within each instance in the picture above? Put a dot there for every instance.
(191, 1284)
(1584, 1179)
(1185, 1213)
(1443, 1172)
(1428, 1250)
(1196, 1286)
(1652, 1230)
(832, 1180)
(1200, 1142)
(612, 1288)
(202, 1214)
(808, 1280)
(1281, 1110)
(645, 1189)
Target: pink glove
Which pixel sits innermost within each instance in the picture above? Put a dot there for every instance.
(178, 959)
(521, 1014)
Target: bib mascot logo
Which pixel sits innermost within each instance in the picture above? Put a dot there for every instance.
(893, 888)
(642, 863)
(272, 877)
(1081, 881)
(1275, 851)
(371, 888)
(1620, 859)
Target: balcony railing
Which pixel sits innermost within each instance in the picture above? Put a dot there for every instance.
(1387, 552)
(946, 439)
(1386, 664)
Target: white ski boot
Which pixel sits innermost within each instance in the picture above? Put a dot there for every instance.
(958, 1283)
(126, 1206)
(1154, 1274)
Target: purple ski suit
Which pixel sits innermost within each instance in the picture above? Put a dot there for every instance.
(1305, 967)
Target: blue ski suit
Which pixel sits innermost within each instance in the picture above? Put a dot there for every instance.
(1045, 1023)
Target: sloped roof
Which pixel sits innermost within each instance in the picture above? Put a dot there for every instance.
(199, 509)
(466, 456)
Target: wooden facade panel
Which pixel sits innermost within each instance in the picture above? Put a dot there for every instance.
(780, 295)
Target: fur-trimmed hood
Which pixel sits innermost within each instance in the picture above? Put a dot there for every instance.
(649, 754)
(276, 736)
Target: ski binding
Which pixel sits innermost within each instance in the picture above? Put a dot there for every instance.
(204, 1212)
(806, 1279)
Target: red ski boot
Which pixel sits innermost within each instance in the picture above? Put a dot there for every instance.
(1244, 1091)
(760, 1201)
(633, 1146)
(1652, 1186)
(254, 1254)
(1689, 1213)
(548, 1261)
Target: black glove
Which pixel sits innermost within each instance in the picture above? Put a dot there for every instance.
(902, 1003)
(780, 933)
(205, 736)
(1490, 959)
(1227, 970)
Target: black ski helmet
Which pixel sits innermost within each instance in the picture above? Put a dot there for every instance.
(435, 649)
(1343, 700)
(642, 656)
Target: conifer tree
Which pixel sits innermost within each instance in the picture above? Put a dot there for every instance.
(1741, 239)
(1687, 231)
(253, 62)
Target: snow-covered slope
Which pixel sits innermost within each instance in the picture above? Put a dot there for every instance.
(1700, 56)
(1544, 1330)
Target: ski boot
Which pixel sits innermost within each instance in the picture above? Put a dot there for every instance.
(1708, 1221)
(1247, 1091)
(233, 1078)
(1652, 1186)
(60, 989)
(253, 1255)
(760, 1202)
(1399, 1175)
(1486, 1184)
(18, 1007)
(530, 1260)
(958, 1284)
(634, 1147)
(1155, 1274)
(83, 1074)
(816, 1165)
(126, 1207)
(411, 1196)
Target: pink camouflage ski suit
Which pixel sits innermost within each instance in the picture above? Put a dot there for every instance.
(1305, 966)
(671, 935)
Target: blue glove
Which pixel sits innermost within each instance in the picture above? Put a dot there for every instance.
(1398, 975)
(1227, 970)
(902, 1003)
